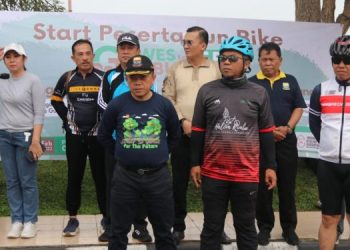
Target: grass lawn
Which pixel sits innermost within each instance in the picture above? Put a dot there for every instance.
(52, 177)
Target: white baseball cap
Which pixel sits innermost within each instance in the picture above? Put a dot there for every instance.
(16, 47)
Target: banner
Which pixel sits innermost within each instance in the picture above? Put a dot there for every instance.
(47, 39)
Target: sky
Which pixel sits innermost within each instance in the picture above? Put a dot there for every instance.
(279, 10)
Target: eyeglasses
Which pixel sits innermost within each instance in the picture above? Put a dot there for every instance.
(337, 60)
(231, 58)
(187, 42)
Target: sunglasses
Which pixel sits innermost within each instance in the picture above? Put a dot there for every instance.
(231, 58)
(187, 42)
(337, 60)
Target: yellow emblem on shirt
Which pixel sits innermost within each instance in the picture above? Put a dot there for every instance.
(285, 86)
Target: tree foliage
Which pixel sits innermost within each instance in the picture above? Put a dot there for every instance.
(310, 11)
(32, 5)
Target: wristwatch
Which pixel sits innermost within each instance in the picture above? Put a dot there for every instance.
(290, 130)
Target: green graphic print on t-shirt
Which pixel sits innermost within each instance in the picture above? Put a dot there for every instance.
(141, 132)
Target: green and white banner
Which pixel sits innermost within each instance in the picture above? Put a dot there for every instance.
(47, 39)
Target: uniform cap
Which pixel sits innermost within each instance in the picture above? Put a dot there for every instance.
(139, 65)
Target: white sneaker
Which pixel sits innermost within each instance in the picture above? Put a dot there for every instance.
(15, 231)
(29, 230)
(338, 238)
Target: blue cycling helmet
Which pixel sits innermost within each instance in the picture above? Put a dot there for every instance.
(239, 44)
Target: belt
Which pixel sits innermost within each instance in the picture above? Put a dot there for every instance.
(143, 171)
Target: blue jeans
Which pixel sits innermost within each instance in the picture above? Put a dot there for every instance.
(20, 174)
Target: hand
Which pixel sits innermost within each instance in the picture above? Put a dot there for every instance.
(36, 149)
(280, 133)
(270, 178)
(196, 176)
(187, 127)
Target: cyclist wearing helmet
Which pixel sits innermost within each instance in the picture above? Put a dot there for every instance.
(329, 120)
(232, 120)
(287, 105)
(181, 86)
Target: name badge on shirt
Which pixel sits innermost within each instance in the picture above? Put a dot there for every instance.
(285, 86)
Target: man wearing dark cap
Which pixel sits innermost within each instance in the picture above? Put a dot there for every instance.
(146, 128)
(113, 85)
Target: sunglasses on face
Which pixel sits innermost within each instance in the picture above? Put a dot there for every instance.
(187, 42)
(231, 58)
(337, 60)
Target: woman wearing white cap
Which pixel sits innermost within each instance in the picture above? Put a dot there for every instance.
(22, 102)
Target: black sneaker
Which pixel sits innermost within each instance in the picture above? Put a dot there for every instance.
(264, 237)
(142, 234)
(104, 223)
(103, 237)
(72, 228)
(291, 237)
(225, 240)
(178, 236)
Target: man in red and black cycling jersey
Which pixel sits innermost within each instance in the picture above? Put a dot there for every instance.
(329, 119)
(232, 120)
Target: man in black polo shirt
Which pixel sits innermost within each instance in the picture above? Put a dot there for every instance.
(80, 120)
(146, 128)
(287, 108)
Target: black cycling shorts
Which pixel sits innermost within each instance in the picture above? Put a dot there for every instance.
(333, 185)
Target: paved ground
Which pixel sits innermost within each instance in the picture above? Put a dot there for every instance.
(50, 234)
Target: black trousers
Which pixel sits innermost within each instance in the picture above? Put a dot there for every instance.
(181, 168)
(155, 188)
(216, 194)
(78, 147)
(287, 161)
(140, 220)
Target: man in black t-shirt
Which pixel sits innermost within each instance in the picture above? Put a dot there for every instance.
(113, 85)
(146, 128)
